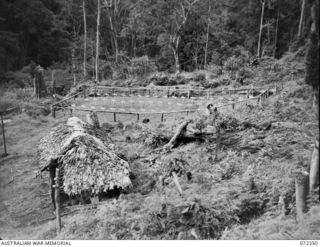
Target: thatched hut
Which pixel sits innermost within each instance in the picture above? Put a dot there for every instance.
(86, 158)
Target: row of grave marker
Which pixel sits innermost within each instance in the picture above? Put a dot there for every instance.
(144, 111)
(132, 111)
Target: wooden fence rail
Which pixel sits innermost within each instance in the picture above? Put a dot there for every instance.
(168, 92)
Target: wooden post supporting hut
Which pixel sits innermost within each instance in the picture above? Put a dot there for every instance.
(3, 135)
(57, 200)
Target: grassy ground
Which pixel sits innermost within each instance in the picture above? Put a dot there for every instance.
(235, 197)
(24, 200)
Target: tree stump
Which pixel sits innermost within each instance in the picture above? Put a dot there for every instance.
(302, 189)
(314, 167)
(40, 87)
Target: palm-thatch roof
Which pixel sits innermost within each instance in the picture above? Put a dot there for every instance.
(86, 156)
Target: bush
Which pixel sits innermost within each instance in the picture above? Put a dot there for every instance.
(223, 80)
(18, 79)
(141, 66)
(233, 63)
(215, 70)
(24, 95)
(200, 77)
(216, 58)
(8, 100)
(246, 73)
(106, 70)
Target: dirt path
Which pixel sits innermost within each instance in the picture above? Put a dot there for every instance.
(23, 196)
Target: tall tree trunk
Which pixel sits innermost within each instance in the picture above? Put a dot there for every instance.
(85, 39)
(276, 34)
(114, 36)
(261, 27)
(133, 44)
(207, 35)
(73, 60)
(315, 16)
(303, 7)
(174, 44)
(97, 43)
(176, 60)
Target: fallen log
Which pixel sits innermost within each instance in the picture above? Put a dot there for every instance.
(182, 129)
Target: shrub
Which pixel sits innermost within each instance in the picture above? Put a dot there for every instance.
(215, 70)
(141, 66)
(106, 70)
(200, 77)
(8, 100)
(223, 80)
(246, 72)
(233, 63)
(24, 95)
(216, 58)
(18, 79)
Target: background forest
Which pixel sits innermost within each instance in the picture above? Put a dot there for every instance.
(168, 35)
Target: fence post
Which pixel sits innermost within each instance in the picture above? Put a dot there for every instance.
(114, 117)
(162, 117)
(4, 137)
(57, 200)
(138, 117)
(233, 106)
